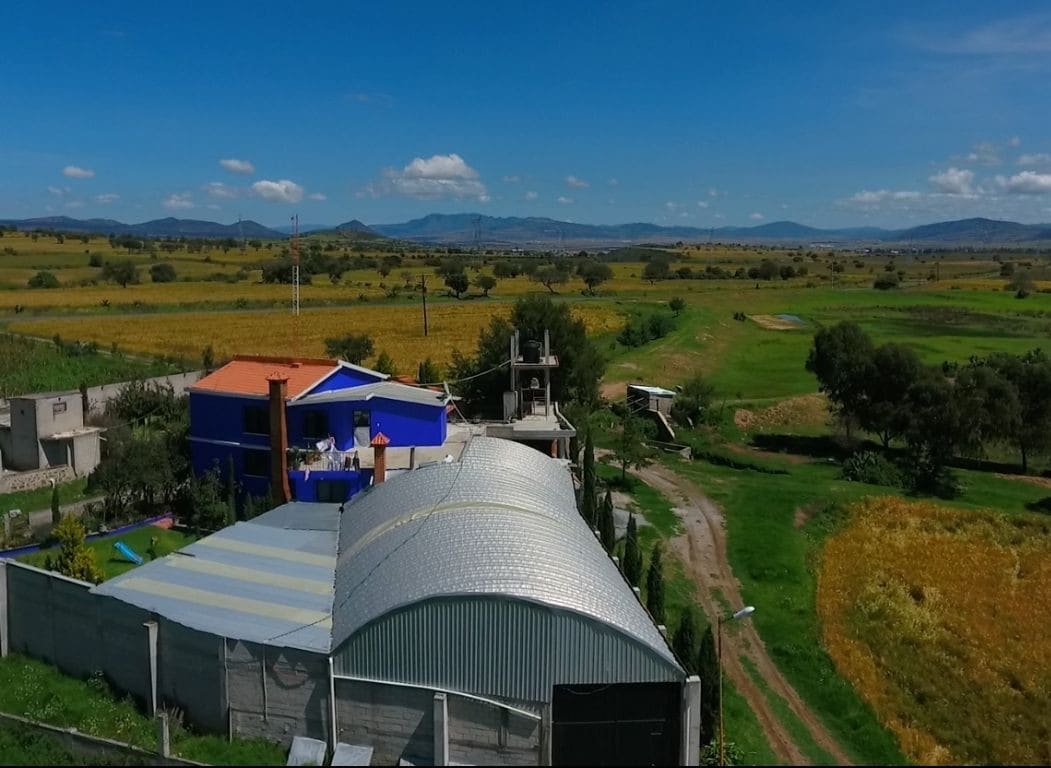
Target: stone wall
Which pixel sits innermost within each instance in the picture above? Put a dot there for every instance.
(14, 482)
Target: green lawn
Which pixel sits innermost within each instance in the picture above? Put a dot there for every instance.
(111, 561)
(31, 501)
(32, 689)
(21, 745)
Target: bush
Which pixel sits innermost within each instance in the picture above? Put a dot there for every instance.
(642, 329)
(872, 468)
(162, 273)
(43, 280)
(886, 282)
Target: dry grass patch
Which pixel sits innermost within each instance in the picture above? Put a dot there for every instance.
(938, 616)
(804, 409)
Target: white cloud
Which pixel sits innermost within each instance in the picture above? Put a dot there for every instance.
(756, 216)
(613, 182)
(512, 179)
(574, 183)
(954, 181)
(671, 206)
(1036, 158)
(870, 198)
(684, 215)
(107, 198)
(59, 191)
(178, 201)
(214, 207)
(1016, 35)
(283, 191)
(713, 192)
(1014, 141)
(233, 165)
(565, 200)
(439, 176)
(221, 191)
(531, 195)
(317, 196)
(984, 153)
(76, 172)
(75, 204)
(1026, 183)
(702, 203)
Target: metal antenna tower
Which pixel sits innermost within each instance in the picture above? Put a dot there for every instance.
(295, 284)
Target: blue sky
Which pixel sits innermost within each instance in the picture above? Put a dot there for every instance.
(705, 114)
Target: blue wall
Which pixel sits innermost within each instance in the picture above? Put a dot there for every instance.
(305, 490)
(408, 423)
(221, 417)
(340, 423)
(205, 455)
(344, 378)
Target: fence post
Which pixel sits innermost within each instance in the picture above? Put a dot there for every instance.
(441, 729)
(151, 650)
(545, 735)
(3, 608)
(164, 745)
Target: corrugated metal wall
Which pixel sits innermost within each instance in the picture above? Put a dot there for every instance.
(497, 647)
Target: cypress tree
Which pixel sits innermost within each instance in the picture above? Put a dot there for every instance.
(655, 586)
(708, 671)
(587, 501)
(231, 491)
(684, 642)
(607, 531)
(632, 554)
(56, 510)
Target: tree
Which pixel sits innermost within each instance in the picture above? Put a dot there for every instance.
(684, 642)
(506, 269)
(208, 358)
(56, 509)
(588, 491)
(632, 553)
(594, 274)
(200, 503)
(655, 585)
(606, 527)
(677, 305)
(891, 371)
(162, 273)
(123, 273)
(75, 558)
(231, 491)
(457, 282)
(385, 364)
(841, 359)
(354, 347)
(486, 283)
(1030, 376)
(95, 260)
(691, 405)
(656, 269)
(580, 366)
(987, 406)
(43, 279)
(630, 451)
(1021, 283)
(549, 276)
(932, 431)
(708, 671)
(428, 372)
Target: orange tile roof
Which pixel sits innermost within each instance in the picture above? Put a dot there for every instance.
(248, 375)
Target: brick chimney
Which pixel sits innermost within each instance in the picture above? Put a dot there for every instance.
(279, 490)
(379, 461)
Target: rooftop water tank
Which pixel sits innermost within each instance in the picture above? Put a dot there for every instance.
(531, 352)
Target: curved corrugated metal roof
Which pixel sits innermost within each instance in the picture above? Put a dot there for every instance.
(501, 522)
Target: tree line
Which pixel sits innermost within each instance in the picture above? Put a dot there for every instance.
(938, 412)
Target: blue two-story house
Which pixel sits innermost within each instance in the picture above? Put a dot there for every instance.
(331, 413)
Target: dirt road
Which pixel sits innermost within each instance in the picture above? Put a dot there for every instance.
(702, 548)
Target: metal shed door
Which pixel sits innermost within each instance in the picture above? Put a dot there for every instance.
(617, 724)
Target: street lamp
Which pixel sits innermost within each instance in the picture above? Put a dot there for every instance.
(744, 613)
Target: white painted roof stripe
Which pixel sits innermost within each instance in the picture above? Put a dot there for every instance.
(253, 575)
(221, 542)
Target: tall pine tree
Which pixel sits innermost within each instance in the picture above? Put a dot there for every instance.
(56, 509)
(587, 501)
(708, 670)
(684, 642)
(607, 531)
(632, 554)
(231, 492)
(655, 585)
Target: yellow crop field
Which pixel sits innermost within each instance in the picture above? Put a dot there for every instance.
(398, 330)
(939, 617)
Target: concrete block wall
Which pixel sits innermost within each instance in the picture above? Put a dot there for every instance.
(483, 734)
(190, 675)
(99, 396)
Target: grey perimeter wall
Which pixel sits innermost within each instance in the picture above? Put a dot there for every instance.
(245, 689)
(99, 396)
(13, 482)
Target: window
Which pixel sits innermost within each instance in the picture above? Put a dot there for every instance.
(257, 463)
(361, 419)
(330, 491)
(315, 424)
(57, 408)
(257, 420)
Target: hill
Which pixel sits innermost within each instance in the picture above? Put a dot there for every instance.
(167, 227)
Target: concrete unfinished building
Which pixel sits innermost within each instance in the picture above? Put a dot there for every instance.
(462, 612)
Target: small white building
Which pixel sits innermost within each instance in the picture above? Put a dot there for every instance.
(48, 430)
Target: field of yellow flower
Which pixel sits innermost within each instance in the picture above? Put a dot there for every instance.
(940, 618)
(398, 330)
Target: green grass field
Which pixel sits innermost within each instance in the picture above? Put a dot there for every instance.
(112, 562)
(32, 501)
(38, 691)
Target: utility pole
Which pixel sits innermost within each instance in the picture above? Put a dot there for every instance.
(423, 288)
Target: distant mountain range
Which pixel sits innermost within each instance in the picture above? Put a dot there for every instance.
(467, 228)
(534, 232)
